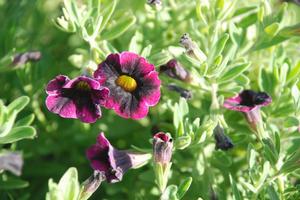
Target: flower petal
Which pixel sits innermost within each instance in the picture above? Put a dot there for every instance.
(150, 91)
(134, 64)
(62, 106)
(55, 85)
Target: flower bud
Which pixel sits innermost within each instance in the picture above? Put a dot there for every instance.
(175, 70)
(12, 162)
(22, 58)
(187, 94)
(192, 48)
(223, 142)
(90, 185)
(162, 148)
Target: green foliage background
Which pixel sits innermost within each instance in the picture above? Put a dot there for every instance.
(61, 143)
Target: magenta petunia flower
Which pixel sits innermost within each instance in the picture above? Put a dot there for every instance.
(79, 98)
(113, 163)
(133, 83)
(249, 102)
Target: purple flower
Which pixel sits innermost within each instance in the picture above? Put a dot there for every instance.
(133, 83)
(223, 142)
(113, 162)
(175, 70)
(162, 148)
(79, 98)
(22, 58)
(249, 102)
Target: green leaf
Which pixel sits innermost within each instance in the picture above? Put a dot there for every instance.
(183, 106)
(290, 121)
(272, 193)
(294, 73)
(25, 121)
(18, 104)
(54, 192)
(234, 72)
(218, 48)
(170, 193)
(272, 29)
(235, 191)
(107, 13)
(69, 184)
(12, 183)
(18, 133)
(119, 28)
(184, 187)
(183, 141)
(135, 44)
(146, 51)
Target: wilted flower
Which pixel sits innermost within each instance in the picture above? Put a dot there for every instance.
(223, 142)
(175, 70)
(249, 102)
(79, 98)
(12, 162)
(90, 185)
(187, 94)
(192, 48)
(162, 148)
(113, 162)
(133, 83)
(22, 58)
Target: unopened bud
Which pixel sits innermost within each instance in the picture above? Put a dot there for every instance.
(187, 94)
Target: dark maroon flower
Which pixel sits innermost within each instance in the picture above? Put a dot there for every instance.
(175, 70)
(187, 94)
(113, 162)
(22, 58)
(77, 98)
(133, 83)
(249, 102)
(223, 142)
(162, 148)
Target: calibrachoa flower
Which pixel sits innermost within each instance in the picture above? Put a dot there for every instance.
(175, 70)
(133, 83)
(223, 142)
(113, 162)
(249, 102)
(79, 98)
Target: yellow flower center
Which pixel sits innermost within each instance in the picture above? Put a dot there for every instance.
(127, 83)
(82, 85)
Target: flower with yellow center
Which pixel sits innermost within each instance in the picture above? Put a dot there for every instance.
(127, 83)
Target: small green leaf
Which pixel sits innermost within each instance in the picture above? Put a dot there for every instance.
(107, 13)
(294, 72)
(18, 104)
(272, 193)
(26, 121)
(235, 191)
(146, 51)
(170, 193)
(119, 28)
(290, 121)
(184, 187)
(135, 44)
(69, 184)
(182, 142)
(218, 48)
(234, 72)
(13, 183)
(18, 133)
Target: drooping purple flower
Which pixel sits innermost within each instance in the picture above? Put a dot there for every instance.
(175, 70)
(162, 148)
(249, 102)
(223, 142)
(22, 58)
(79, 98)
(187, 94)
(113, 162)
(133, 83)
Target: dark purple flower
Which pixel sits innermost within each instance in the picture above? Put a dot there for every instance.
(154, 2)
(187, 94)
(133, 83)
(22, 58)
(249, 102)
(175, 70)
(162, 148)
(223, 142)
(113, 162)
(79, 98)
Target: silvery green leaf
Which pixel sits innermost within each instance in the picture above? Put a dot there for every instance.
(18, 133)
(184, 187)
(69, 185)
(182, 142)
(119, 28)
(170, 193)
(146, 51)
(217, 48)
(293, 73)
(136, 43)
(18, 104)
(11, 183)
(235, 71)
(107, 13)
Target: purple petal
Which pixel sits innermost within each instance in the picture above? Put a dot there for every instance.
(62, 106)
(55, 85)
(91, 82)
(150, 92)
(89, 113)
